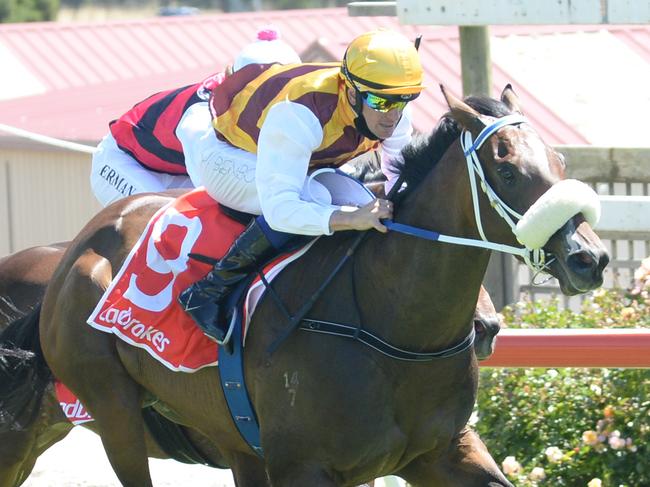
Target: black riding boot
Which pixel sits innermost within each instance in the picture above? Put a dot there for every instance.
(203, 300)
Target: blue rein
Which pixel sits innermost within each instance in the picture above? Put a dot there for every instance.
(413, 231)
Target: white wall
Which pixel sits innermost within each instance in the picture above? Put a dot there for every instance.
(45, 197)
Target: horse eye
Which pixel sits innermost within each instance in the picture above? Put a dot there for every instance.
(506, 173)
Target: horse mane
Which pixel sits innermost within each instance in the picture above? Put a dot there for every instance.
(365, 168)
(426, 150)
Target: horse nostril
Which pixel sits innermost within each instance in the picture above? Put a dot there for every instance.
(603, 261)
(582, 260)
(491, 326)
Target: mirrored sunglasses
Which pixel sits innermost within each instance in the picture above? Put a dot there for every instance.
(382, 104)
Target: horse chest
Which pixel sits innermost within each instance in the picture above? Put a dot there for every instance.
(420, 421)
(396, 448)
(429, 414)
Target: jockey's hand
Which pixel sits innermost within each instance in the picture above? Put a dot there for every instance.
(362, 218)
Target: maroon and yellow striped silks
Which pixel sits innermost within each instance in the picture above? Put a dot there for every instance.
(240, 105)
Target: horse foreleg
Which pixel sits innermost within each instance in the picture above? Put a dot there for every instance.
(248, 471)
(301, 475)
(466, 463)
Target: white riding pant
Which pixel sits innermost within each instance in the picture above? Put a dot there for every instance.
(226, 172)
(228, 175)
(115, 175)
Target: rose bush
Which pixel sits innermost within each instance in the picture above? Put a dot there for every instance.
(572, 427)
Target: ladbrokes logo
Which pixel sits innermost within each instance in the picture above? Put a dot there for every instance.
(75, 412)
(124, 319)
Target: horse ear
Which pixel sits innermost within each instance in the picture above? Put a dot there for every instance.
(462, 112)
(510, 99)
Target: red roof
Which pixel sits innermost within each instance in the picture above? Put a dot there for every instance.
(92, 72)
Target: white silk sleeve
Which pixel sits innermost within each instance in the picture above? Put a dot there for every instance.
(193, 125)
(391, 148)
(289, 135)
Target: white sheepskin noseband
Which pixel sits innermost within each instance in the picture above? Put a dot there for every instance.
(554, 208)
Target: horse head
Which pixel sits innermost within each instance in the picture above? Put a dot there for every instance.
(523, 179)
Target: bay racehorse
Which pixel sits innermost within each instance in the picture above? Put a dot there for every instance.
(23, 279)
(351, 413)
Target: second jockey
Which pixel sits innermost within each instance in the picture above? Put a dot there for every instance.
(143, 153)
(273, 125)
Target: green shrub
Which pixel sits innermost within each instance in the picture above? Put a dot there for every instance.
(28, 10)
(47, 8)
(572, 427)
(6, 7)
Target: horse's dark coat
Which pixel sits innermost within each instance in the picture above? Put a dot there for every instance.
(332, 413)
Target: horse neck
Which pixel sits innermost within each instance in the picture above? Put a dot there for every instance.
(430, 289)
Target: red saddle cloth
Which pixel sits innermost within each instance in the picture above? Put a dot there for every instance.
(140, 305)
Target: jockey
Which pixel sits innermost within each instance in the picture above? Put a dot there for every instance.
(276, 124)
(142, 152)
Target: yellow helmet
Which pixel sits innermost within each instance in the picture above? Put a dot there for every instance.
(384, 62)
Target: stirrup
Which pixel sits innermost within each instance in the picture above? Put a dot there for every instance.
(231, 327)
